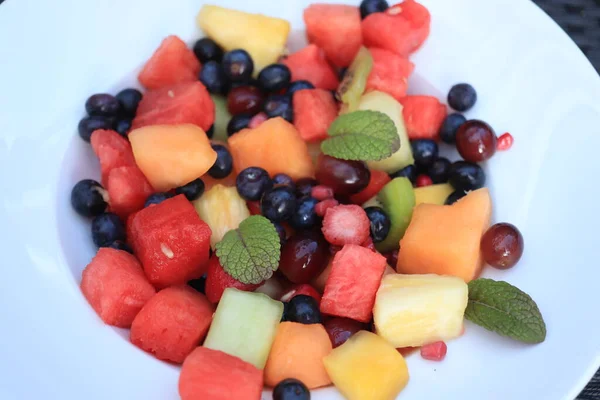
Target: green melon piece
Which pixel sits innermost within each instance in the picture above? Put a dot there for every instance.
(397, 199)
(222, 118)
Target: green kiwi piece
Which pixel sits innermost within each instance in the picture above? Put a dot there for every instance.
(397, 199)
(222, 118)
(355, 79)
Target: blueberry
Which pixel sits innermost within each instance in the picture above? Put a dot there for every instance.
(380, 223)
(291, 389)
(283, 180)
(462, 97)
(410, 172)
(281, 232)
(425, 151)
(207, 50)
(238, 65)
(212, 76)
(304, 309)
(88, 125)
(102, 104)
(211, 131)
(123, 126)
(129, 99)
(305, 216)
(274, 77)
(252, 182)
(199, 284)
(192, 190)
(449, 127)
(278, 105)
(224, 163)
(465, 175)
(368, 7)
(157, 198)
(439, 170)
(88, 198)
(107, 228)
(278, 204)
(286, 309)
(304, 186)
(237, 123)
(120, 245)
(299, 85)
(455, 196)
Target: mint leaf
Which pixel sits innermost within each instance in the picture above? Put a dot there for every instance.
(251, 252)
(362, 136)
(502, 308)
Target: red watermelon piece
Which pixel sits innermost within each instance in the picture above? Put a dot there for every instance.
(217, 280)
(115, 286)
(352, 283)
(377, 181)
(172, 324)
(390, 73)
(402, 29)
(112, 150)
(128, 190)
(310, 64)
(423, 116)
(336, 29)
(171, 241)
(184, 103)
(171, 63)
(314, 111)
(212, 374)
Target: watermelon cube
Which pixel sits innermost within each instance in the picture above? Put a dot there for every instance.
(171, 241)
(112, 150)
(171, 63)
(172, 323)
(310, 64)
(115, 286)
(217, 280)
(402, 28)
(336, 29)
(183, 103)
(377, 181)
(212, 374)
(314, 111)
(128, 190)
(389, 74)
(352, 284)
(423, 116)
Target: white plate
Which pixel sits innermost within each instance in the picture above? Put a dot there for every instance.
(531, 80)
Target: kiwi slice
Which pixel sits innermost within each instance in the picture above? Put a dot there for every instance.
(222, 118)
(355, 79)
(397, 199)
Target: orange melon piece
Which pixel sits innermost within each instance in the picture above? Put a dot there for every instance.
(298, 352)
(171, 155)
(276, 146)
(445, 240)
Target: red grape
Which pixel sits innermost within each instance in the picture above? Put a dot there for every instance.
(244, 100)
(340, 330)
(502, 246)
(304, 256)
(344, 177)
(476, 141)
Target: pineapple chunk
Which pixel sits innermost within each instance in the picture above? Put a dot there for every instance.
(222, 209)
(366, 367)
(433, 194)
(261, 36)
(245, 325)
(413, 310)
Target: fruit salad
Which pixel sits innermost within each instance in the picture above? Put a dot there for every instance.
(289, 221)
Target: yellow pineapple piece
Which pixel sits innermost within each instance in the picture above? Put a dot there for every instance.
(433, 194)
(222, 209)
(366, 367)
(413, 310)
(261, 36)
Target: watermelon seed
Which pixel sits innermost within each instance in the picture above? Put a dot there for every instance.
(395, 10)
(171, 94)
(103, 192)
(166, 250)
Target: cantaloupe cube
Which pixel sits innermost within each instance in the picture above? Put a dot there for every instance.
(275, 146)
(414, 310)
(366, 367)
(172, 155)
(445, 240)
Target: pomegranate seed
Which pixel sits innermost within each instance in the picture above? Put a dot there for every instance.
(322, 192)
(322, 206)
(253, 207)
(505, 142)
(257, 120)
(424, 180)
(434, 351)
